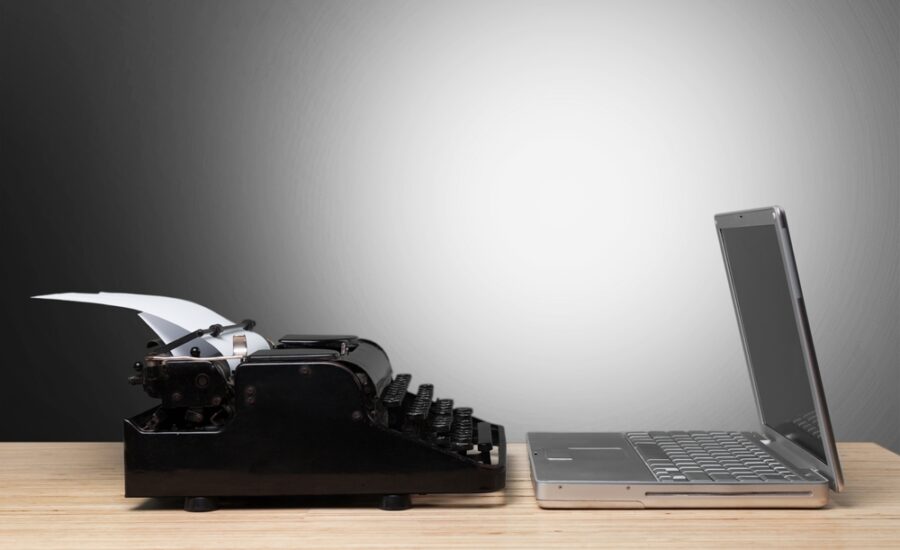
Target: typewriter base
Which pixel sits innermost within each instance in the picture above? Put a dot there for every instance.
(207, 468)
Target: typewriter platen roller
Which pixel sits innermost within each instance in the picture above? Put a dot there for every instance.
(314, 415)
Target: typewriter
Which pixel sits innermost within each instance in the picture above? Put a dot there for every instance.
(313, 415)
(308, 415)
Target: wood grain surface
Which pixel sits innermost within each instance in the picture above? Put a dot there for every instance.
(69, 495)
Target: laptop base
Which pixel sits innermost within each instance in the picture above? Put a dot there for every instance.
(603, 470)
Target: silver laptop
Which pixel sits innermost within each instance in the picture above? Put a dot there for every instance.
(790, 462)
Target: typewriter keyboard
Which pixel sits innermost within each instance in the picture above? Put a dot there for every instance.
(709, 456)
(419, 414)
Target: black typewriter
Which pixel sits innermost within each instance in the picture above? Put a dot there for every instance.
(314, 415)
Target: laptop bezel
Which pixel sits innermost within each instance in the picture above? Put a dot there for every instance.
(775, 216)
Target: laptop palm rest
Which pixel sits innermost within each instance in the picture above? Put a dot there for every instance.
(594, 457)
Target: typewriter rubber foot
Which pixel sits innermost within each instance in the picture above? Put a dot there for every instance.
(395, 502)
(200, 504)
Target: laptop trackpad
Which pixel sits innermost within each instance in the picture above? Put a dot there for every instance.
(593, 457)
(602, 454)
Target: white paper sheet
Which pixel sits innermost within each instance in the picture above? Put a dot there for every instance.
(172, 318)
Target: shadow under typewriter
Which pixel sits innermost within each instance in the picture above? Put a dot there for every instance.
(314, 416)
(366, 502)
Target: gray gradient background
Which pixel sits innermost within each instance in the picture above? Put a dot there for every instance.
(514, 198)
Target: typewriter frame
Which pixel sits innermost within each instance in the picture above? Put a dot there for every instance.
(305, 422)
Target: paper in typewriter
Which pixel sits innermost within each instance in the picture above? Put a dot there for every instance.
(172, 318)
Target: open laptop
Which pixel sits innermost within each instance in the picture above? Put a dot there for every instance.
(791, 462)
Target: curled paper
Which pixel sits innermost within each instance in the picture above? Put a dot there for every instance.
(172, 318)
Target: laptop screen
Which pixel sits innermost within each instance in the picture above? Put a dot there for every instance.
(772, 337)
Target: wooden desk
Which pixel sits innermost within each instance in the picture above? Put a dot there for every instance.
(69, 495)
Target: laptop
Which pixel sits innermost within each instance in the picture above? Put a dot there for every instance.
(790, 462)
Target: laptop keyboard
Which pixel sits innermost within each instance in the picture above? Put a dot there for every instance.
(683, 457)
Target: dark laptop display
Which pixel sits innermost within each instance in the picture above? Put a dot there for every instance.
(774, 343)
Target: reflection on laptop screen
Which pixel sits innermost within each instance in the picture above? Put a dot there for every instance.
(773, 340)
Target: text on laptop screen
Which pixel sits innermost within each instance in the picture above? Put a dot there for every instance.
(772, 337)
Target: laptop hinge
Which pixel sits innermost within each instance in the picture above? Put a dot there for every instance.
(791, 452)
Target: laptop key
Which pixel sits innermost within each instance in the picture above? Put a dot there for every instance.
(650, 452)
(721, 477)
(696, 476)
